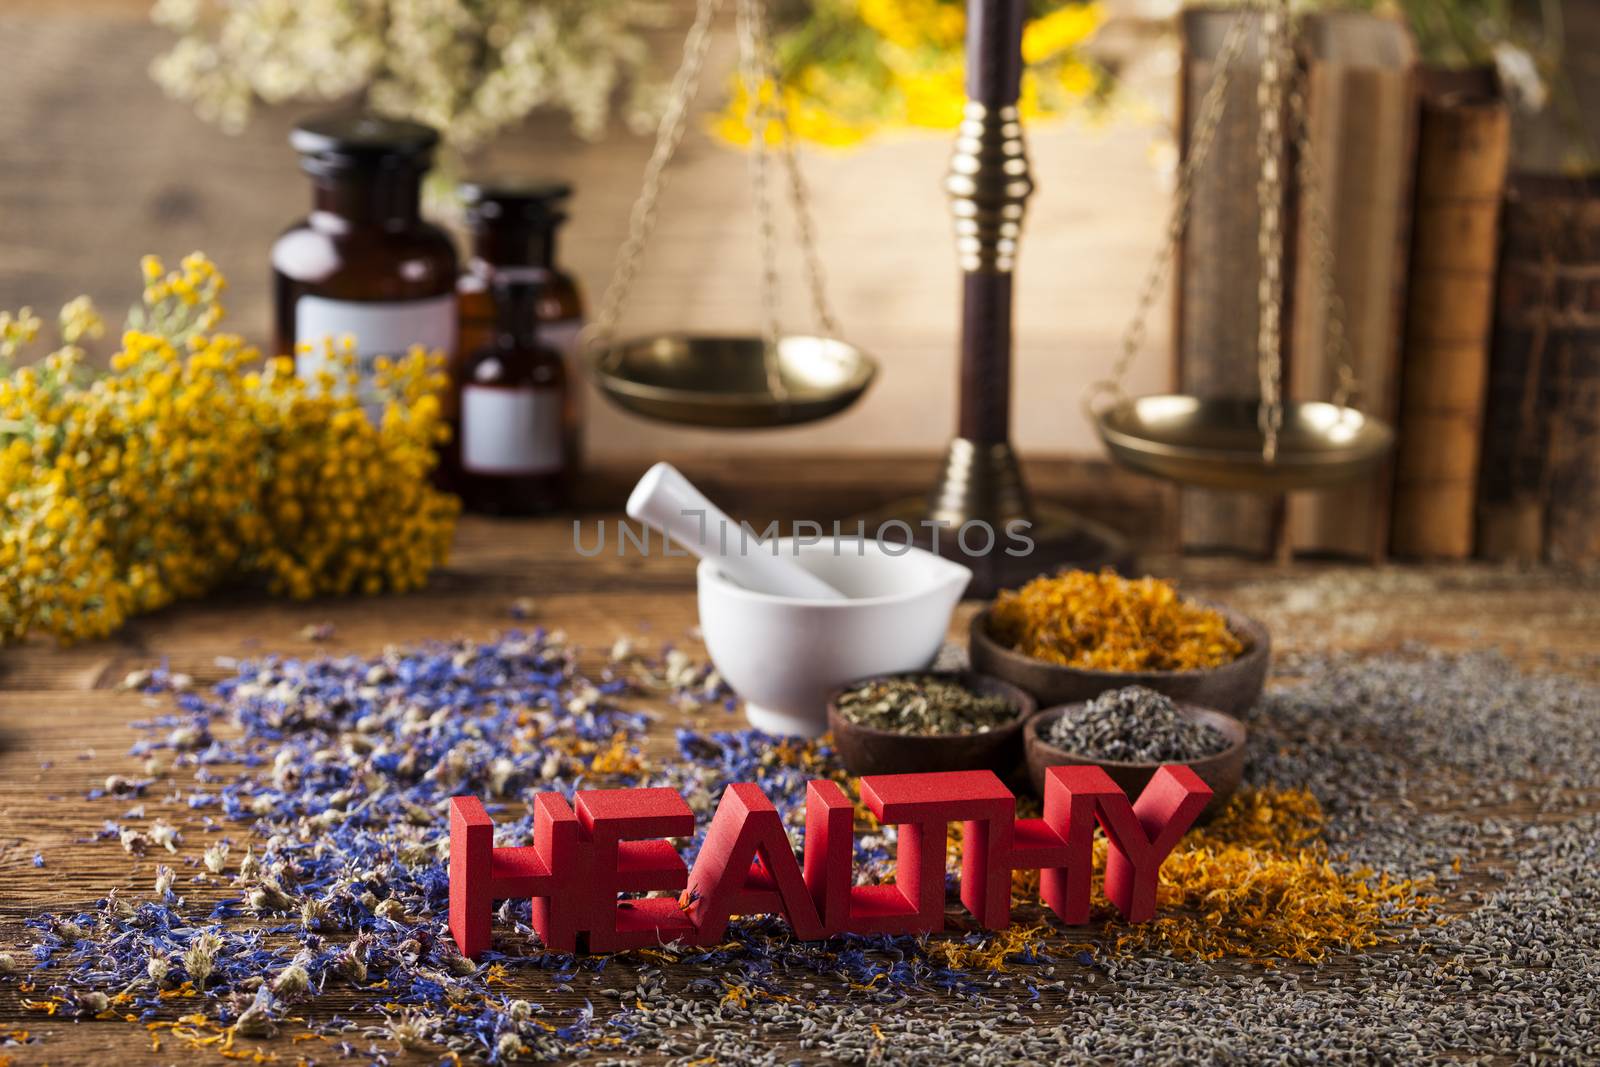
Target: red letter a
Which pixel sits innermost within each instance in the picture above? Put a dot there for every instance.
(725, 882)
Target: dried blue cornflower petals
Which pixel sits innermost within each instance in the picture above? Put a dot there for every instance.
(332, 777)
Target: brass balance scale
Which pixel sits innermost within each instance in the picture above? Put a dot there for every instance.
(1263, 444)
(776, 379)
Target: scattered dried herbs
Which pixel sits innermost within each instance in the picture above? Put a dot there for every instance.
(1104, 622)
(1261, 875)
(1135, 725)
(924, 705)
(328, 776)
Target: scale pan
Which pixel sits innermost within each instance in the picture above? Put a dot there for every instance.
(1216, 444)
(696, 380)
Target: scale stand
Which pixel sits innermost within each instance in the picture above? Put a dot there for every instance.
(981, 482)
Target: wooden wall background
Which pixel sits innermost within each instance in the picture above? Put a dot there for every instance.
(97, 167)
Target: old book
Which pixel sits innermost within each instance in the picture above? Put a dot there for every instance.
(1215, 299)
(1539, 490)
(1361, 118)
(1463, 142)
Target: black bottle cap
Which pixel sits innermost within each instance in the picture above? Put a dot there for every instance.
(351, 139)
(536, 201)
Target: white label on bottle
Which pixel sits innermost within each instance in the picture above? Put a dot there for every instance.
(510, 431)
(379, 328)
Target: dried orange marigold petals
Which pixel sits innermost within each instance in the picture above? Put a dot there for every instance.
(1105, 622)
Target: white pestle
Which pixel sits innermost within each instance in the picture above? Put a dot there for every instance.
(667, 500)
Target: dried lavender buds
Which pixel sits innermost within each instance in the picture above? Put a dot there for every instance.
(328, 776)
(924, 705)
(1134, 725)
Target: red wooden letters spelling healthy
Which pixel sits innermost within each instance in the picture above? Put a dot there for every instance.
(614, 843)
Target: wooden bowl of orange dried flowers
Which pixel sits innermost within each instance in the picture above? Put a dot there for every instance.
(1070, 637)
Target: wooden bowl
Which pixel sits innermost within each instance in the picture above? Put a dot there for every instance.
(1232, 687)
(865, 750)
(1221, 772)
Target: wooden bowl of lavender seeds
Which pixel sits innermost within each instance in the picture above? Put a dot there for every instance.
(929, 721)
(1132, 731)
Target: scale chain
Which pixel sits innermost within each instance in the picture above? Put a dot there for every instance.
(800, 201)
(1335, 338)
(1207, 121)
(757, 69)
(1276, 31)
(641, 220)
(1277, 72)
(752, 49)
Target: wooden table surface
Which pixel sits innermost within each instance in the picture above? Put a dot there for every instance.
(64, 727)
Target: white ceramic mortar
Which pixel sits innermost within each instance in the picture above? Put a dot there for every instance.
(784, 655)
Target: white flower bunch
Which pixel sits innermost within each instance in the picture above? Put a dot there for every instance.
(469, 68)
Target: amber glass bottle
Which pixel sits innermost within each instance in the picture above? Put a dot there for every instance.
(518, 423)
(364, 263)
(515, 225)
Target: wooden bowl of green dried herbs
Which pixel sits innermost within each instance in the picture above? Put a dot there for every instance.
(929, 721)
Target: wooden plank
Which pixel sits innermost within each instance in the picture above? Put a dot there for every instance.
(498, 562)
(61, 739)
(495, 562)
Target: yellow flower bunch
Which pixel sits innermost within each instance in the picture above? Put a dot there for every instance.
(855, 68)
(193, 462)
